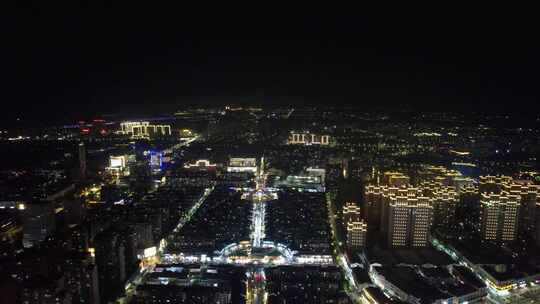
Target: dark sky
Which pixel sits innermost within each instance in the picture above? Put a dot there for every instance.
(76, 61)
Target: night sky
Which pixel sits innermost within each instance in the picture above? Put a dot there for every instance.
(71, 62)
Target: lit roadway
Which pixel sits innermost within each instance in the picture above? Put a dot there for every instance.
(259, 206)
(341, 259)
(256, 278)
(191, 212)
(182, 144)
(257, 223)
(256, 286)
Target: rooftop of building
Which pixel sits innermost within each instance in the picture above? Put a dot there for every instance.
(378, 296)
(512, 261)
(409, 281)
(412, 256)
(430, 283)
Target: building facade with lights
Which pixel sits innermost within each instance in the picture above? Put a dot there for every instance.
(499, 217)
(405, 213)
(355, 226)
(409, 221)
(510, 209)
(356, 233)
(351, 212)
(444, 200)
(143, 129)
(242, 165)
(201, 164)
(306, 138)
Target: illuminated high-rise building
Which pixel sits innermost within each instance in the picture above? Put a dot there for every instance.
(499, 217)
(356, 226)
(501, 208)
(445, 177)
(82, 161)
(373, 205)
(356, 233)
(378, 203)
(351, 212)
(395, 179)
(529, 204)
(409, 221)
(404, 214)
(444, 200)
(509, 209)
(493, 184)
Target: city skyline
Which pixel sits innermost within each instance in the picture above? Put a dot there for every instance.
(261, 205)
(268, 158)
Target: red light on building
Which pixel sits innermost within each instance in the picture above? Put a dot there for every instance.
(85, 131)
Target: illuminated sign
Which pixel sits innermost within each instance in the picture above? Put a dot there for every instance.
(201, 163)
(242, 162)
(308, 139)
(242, 165)
(156, 159)
(117, 161)
(150, 252)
